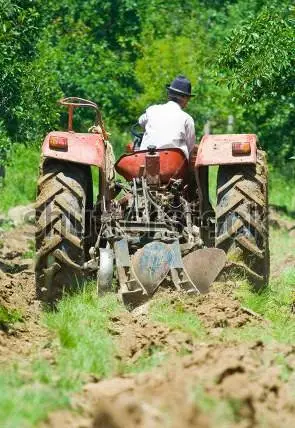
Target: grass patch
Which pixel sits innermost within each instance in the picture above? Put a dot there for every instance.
(81, 326)
(281, 246)
(151, 358)
(176, 317)
(19, 186)
(274, 304)
(8, 317)
(6, 226)
(222, 411)
(281, 189)
(31, 251)
(83, 347)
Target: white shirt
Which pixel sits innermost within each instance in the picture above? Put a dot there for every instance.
(168, 126)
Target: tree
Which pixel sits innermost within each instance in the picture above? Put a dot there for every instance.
(259, 65)
(19, 24)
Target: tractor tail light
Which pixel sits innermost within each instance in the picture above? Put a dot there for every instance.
(240, 149)
(58, 143)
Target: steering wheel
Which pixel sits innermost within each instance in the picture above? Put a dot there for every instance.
(135, 132)
(138, 135)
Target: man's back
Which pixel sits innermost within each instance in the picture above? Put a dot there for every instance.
(167, 125)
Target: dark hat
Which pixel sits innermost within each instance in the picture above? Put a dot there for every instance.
(181, 85)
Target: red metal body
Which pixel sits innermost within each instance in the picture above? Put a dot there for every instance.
(173, 164)
(217, 150)
(88, 149)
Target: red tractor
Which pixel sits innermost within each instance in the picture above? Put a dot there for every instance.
(156, 226)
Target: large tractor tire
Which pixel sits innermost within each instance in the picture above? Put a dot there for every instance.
(61, 220)
(242, 218)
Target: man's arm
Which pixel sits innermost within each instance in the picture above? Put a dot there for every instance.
(143, 120)
(190, 133)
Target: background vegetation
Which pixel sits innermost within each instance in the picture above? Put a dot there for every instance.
(239, 56)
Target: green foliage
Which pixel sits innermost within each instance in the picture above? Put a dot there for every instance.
(258, 62)
(20, 22)
(5, 144)
(21, 177)
(281, 187)
(122, 53)
(261, 53)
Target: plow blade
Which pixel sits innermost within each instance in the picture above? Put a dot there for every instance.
(202, 267)
(151, 265)
(193, 273)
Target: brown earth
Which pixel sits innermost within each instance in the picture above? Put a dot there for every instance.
(202, 383)
(247, 380)
(17, 293)
(137, 334)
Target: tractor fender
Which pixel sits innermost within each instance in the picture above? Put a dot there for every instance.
(218, 150)
(87, 149)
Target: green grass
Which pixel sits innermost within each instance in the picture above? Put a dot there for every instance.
(151, 358)
(81, 325)
(6, 225)
(281, 189)
(176, 317)
(82, 347)
(222, 411)
(274, 304)
(8, 317)
(19, 187)
(282, 245)
(31, 251)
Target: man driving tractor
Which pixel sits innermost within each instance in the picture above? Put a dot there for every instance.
(167, 125)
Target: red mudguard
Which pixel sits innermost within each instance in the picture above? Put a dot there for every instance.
(86, 149)
(217, 150)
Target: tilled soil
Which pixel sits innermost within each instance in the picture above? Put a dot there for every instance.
(246, 380)
(17, 293)
(203, 383)
(137, 334)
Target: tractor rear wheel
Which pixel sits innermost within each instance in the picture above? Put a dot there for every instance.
(61, 221)
(242, 217)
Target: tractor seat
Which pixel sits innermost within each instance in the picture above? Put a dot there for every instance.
(173, 164)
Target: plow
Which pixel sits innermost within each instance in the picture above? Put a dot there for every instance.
(152, 224)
